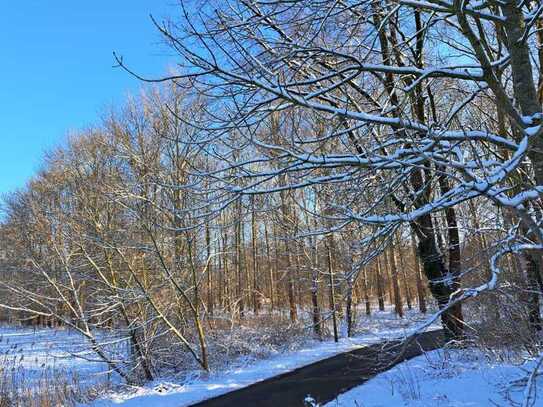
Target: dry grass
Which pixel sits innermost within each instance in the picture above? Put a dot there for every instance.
(46, 388)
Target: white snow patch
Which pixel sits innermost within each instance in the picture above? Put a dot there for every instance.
(32, 353)
(442, 378)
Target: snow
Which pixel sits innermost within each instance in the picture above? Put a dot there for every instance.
(447, 378)
(36, 353)
(444, 378)
(166, 393)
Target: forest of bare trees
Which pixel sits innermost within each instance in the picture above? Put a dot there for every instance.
(307, 162)
(107, 237)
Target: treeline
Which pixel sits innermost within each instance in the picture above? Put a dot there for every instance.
(118, 232)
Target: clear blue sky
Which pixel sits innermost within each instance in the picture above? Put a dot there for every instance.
(56, 70)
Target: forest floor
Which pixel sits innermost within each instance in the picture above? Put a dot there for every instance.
(249, 369)
(34, 357)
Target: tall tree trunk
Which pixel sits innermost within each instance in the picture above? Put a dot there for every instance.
(332, 290)
(366, 291)
(315, 287)
(227, 277)
(209, 271)
(239, 261)
(421, 295)
(442, 285)
(390, 259)
(349, 306)
(407, 289)
(288, 263)
(293, 312)
(270, 268)
(220, 272)
(276, 264)
(256, 302)
(315, 303)
(380, 291)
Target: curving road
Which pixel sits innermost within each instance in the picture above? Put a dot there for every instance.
(326, 379)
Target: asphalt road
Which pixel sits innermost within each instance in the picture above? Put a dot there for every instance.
(326, 379)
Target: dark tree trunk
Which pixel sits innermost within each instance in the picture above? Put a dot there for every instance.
(390, 258)
(315, 303)
(420, 287)
(349, 307)
(332, 291)
(380, 291)
(441, 283)
(366, 293)
(534, 284)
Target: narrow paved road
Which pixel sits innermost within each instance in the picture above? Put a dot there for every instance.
(325, 379)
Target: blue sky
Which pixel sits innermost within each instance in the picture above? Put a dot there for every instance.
(56, 70)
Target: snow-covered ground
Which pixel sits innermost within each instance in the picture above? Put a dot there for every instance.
(243, 372)
(448, 378)
(28, 356)
(443, 378)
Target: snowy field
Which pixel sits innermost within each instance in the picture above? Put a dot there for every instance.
(451, 378)
(30, 356)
